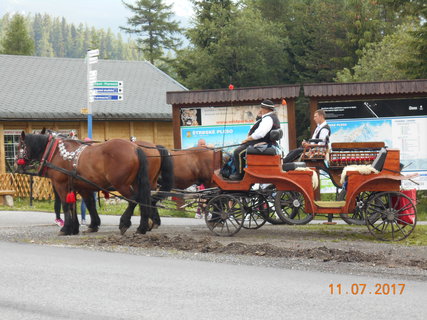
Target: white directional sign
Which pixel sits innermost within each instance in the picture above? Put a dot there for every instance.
(93, 53)
(108, 90)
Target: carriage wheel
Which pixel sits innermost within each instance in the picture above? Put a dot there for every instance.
(256, 208)
(272, 216)
(224, 215)
(386, 217)
(357, 217)
(290, 207)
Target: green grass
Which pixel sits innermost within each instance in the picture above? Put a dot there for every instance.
(23, 204)
(353, 233)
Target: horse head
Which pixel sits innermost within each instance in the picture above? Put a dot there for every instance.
(30, 149)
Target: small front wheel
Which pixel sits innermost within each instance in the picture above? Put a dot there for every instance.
(290, 207)
(224, 215)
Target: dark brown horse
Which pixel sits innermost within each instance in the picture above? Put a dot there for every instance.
(116, 164)
(159, 163)
(190, 166)
(194, 166)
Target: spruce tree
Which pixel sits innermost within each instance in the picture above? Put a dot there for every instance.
(17, 39)
(151, 23)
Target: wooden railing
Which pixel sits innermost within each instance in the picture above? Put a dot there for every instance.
(20, 183)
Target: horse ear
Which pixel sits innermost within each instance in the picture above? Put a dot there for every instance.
(23, 135)
(43, 131)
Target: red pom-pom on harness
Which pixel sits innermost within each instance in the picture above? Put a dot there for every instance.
(71, 197)
(21, 162)
(106, 195)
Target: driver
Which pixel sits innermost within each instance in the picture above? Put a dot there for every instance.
(260, 132)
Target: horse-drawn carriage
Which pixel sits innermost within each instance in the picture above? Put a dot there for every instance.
(368, 173)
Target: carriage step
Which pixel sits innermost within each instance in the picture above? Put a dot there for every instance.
(330, 204)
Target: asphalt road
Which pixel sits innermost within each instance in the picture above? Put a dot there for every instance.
(66, 283)
(48, 282)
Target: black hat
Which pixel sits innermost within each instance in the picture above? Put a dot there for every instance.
(267, 104)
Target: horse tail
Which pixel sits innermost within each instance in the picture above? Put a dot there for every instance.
(166, 169)
(144, 188)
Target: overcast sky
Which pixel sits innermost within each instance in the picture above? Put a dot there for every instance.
(98, 13)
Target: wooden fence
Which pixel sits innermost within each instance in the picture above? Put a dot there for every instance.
(20, 183)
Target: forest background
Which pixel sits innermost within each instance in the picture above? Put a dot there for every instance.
(247, 42)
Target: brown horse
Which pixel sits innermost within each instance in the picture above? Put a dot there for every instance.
(159, 163)
(194, 166)
(74, 166)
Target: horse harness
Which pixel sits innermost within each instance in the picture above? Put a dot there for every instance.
(66, 155)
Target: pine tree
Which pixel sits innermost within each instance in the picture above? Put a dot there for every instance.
(151, 23)
(17, 39)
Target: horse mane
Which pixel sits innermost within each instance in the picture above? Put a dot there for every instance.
(37, 144)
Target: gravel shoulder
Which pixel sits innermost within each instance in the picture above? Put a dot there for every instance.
(292, 247)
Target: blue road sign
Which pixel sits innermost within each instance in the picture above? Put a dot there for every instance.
(107, 97)
(101, 90)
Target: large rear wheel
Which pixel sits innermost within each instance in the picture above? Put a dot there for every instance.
(390, 216)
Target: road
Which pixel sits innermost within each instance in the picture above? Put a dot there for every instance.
(59, 282)
(66, 283)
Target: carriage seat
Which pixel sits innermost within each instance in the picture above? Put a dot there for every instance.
(376, 166)
(293, 165)
(262, 149)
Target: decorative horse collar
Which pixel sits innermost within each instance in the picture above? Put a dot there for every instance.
(51, 146)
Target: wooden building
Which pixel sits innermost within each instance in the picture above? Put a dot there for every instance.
(221, 103)
(42, 92)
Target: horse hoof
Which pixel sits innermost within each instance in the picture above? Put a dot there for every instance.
(155, 226)
(91, 230)
(62, 233)
(150, 224)
(138, 231)
(123, 230)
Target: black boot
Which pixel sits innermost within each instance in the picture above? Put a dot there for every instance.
(236, 177)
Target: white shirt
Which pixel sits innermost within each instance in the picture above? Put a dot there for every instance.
(323, 133)
(264, 127)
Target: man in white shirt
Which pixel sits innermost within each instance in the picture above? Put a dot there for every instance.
(321, 134)
(259, 132)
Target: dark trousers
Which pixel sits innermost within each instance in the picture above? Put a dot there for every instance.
(293, 155)
(239, 155)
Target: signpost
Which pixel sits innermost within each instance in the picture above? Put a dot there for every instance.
(91, 58)
(105, 90)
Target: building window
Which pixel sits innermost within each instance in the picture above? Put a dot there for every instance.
(11, 140)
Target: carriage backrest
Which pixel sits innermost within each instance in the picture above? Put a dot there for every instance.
(276, 134)
(379, 161)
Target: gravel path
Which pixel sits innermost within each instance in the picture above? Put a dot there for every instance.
(331, 250)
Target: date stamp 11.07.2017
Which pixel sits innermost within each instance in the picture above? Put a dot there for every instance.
(366, 289)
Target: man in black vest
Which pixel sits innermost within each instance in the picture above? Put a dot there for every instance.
(260, 132)
(322, 132)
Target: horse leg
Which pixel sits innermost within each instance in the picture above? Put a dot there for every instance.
(66, 230)
(125, 219)
(95, 221)
(75, 225)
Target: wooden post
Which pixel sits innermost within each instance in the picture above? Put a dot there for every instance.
(106, 130)
(154, 132)
(2, 150)
(292, 136)
(131, 129)
(176, 123)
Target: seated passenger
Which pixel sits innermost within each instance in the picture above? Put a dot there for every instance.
(259, 132)
(322, 132)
